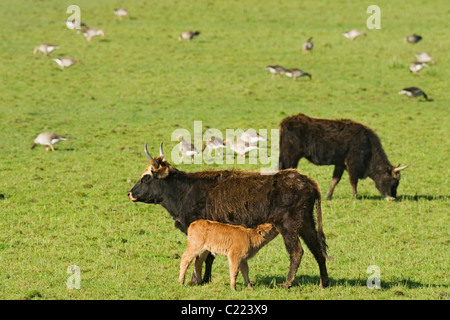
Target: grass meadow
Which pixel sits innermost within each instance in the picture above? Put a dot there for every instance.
(138, 84)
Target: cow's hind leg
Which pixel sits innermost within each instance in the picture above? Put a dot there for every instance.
(337, 175)
(312, 240)
(295, 250)
(208, 268)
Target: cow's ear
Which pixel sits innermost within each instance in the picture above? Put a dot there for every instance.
(162, 172)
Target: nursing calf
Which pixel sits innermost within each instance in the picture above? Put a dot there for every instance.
(235, 242)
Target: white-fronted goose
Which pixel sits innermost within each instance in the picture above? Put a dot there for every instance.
(297, 73)
(353, 34)
(187, 149)
(307, 45)
(415, 67)
(46, 48)
(66, 62)
(188, 35)
(414, 38)
(413, 92)
(121, 12)
(276, 70)
(240, 147)
(251, 137)
(213, 143)
(425, 57)
(89, 33)
(47, 139)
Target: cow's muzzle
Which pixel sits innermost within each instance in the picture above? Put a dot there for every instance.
(130, 196)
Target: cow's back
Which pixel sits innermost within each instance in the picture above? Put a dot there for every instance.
(250, 199)
(321, 141)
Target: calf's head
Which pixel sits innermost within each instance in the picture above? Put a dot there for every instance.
(387, 183)
(149, 187)
(267, 231)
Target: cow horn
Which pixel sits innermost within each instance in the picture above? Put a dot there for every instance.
(155, 164)
(400, 168)
(161, 152)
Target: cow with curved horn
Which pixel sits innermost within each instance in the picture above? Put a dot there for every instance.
(346, 144)
(286, 199)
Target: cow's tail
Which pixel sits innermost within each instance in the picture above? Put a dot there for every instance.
(322, 238)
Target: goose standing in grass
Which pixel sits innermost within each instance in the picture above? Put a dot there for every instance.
(240, 147)
(47, 139)
(413, 38)
(187, 149)
(213, 143)
(46, 48)
(425, 57)
(276, 70)
(353, 34)
(89, 33)
(66, 62)
(307, 46)
(415, 67)
(297, 73)
(413, 92)
(122, 12)
(188, 35)
(251, 137)
(74, 24)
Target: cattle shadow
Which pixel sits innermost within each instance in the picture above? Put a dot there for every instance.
(416, 197)
(302, 280)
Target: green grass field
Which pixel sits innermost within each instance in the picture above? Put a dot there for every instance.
(138, 84)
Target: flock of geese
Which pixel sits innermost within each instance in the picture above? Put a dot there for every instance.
(422, 61)
(246, 142)
(249, 139)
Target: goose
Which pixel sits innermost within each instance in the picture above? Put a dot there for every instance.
(307, 45)
(122, 12)
(66, 62)
(296, 73)
(187, 149)
(276, 70)
(413, 92)
(353, 34)
(74, 24)
(240, 147)
(47, 139)
(251, 137)
(188, 35)
(413, 38)
(213, 143)
(415, 67)
(46, 48)
(89, 33)
(425, 57)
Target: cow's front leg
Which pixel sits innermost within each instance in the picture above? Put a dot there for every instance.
(337, 174)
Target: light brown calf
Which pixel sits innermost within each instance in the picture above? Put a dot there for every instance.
(235, 242)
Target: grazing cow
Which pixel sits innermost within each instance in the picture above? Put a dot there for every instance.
(235, 242)
(286, 199)
(346, 144)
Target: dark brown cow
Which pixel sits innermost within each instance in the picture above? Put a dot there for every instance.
(286, 199)
(346, 144)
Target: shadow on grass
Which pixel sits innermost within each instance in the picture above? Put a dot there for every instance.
(406, 197)
(315, 280)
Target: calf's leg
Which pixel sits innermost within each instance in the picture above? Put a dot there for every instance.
(234, 270)
(208, 268)
(243, 266)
